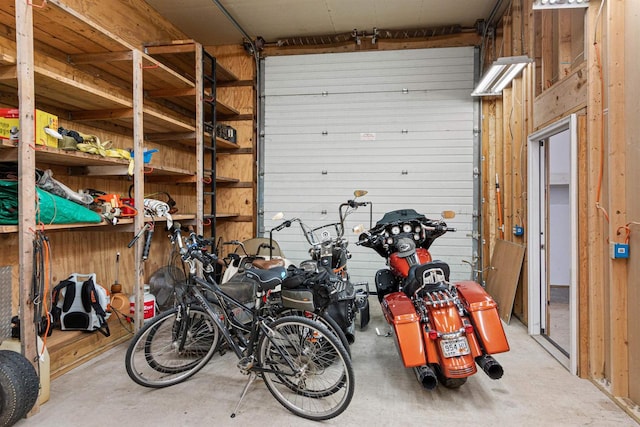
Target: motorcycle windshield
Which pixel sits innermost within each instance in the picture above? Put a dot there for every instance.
(400, 215)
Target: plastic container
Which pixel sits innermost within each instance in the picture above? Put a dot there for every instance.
(13, 344)
(146, 156)
(149, 304)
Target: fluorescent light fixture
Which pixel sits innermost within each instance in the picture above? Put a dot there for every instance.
(502, 71)
(559, 4)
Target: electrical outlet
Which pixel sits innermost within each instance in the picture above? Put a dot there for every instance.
(619, 250)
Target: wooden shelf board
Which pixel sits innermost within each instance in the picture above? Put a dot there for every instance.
(226, 110)
(225, 180)
(223, 143)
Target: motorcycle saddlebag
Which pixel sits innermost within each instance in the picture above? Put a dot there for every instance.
(401, 314)
(484, 314)
(299, 299)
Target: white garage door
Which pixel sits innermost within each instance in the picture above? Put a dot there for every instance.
(398, 124)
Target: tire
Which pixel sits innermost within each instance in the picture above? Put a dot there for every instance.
(323, 318)
(171, 348)
(320, 386)
(19, 387)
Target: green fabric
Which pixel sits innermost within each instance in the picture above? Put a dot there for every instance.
(50, 209)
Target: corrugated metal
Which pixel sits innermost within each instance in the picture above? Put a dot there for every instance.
(396, 123)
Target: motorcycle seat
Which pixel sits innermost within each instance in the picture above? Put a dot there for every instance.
(266, 264)
(432, 276)
(267, 279)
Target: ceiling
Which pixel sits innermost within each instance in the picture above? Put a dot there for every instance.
(203, 20)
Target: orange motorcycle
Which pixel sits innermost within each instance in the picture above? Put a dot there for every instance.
(442, 329)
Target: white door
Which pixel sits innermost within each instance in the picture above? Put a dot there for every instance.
(552, 250)
(398, 124)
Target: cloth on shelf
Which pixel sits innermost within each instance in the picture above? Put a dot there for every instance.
(159, 208)
(50, 209)
(91, 144)
(47, 182)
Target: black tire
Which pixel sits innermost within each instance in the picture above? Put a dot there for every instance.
(323, 318)
(19, 387)
(306, 368)
(172, 347)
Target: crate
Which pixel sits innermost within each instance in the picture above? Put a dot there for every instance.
(10, 126)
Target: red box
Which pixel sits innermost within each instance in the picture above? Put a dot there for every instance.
(401, 314)
(484, 315)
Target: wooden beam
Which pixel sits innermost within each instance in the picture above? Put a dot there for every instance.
(89, 58)
(595, 217)
(583, 249)
(565, 61)
(566, 97)
(177, 48)
(159, 137)
(8, 72)
(122, 113)
(616, 153)
(26, 185)
(170, 93)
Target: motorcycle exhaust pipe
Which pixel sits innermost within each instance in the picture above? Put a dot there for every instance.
(350, 333)
(426, 376)
(490, 366)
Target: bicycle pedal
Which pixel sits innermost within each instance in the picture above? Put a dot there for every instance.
(246, 363)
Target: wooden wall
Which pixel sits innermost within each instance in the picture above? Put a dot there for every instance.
(585, 63)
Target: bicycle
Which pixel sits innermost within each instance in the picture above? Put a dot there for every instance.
(304, 366)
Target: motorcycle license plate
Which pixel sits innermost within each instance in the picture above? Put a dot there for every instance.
(455, 347)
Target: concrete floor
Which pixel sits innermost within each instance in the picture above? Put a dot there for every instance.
(536, 390)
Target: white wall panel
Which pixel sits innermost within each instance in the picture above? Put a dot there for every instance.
(396, 123)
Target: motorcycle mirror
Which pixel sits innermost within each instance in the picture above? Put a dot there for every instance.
(448, 214)
(360, 193)
(278, 216)
(359, 229)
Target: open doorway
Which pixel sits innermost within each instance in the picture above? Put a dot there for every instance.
(552, 236)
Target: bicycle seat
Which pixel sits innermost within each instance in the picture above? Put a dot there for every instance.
(267, 279)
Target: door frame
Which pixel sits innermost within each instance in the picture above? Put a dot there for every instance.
(536, 250)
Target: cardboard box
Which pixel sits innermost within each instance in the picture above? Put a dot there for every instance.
(10, 123)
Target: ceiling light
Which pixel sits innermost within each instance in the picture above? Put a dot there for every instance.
(502, 71)
(559, 4)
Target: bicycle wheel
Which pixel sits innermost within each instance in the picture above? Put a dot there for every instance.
(323, 318)
(306, 368)
(172, 347)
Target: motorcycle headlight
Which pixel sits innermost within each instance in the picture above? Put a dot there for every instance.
(406, 228)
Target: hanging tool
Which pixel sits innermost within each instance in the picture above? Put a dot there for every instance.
(116, 286)
(501, 224)
(147, 243)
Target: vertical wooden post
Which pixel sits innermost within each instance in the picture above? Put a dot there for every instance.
(595, 217)
(26, 184)
(616, 153)
(138, 160)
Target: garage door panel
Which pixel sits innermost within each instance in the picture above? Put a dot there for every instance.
(396, 123)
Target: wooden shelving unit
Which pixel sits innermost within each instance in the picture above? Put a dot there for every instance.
(96, 82)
